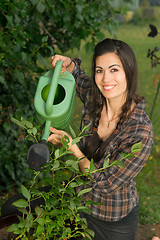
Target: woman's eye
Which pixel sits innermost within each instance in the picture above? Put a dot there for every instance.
(114, 70)
(99, 71)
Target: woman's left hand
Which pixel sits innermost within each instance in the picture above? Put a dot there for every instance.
(56, 137)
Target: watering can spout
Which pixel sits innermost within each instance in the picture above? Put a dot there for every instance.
(46, 131)
(53, 87)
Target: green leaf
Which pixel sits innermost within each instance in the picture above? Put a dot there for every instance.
(19, 75)
(30, 138)
(48, 220)
(34, 2)
(137, 147)
(27, 123)
(29, 221)
(126, 155)
(56, 164)
(15, 121)
(80, 181)
(25, 192)
(90, 232)
(65, 141)
(29, 131)
(13, 228)
(56, 153)
(76, 140)
(84, 209)
(106, 163)
(85, 128)
(40, 229)
(45, 39)
(121, 164)
(76, 166)
(84, 191)
(23, 210)
(41, 221)
(73, 184)
(92, 167)
(38, 210)
(21, 224)
(79, 8)
(9, 19)
(34, 131)
(72, 204)
(2, 80)
(40, 7)
(72, 131)
(69, 163)
(21, 203)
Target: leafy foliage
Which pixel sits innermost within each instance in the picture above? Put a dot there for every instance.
(59, 217)
(29, 32)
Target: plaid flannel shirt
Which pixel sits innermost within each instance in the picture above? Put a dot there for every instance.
(115, 188)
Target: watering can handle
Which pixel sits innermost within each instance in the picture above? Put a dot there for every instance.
(53, 88)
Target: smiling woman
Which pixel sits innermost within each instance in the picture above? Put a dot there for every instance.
(117, 119)
(111, 80)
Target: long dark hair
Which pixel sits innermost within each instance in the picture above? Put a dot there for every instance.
(128, 60)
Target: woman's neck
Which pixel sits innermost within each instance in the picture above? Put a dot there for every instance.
(113, 108)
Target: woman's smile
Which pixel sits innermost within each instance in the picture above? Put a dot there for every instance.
(108, 87)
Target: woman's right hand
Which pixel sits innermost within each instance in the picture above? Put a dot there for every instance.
(67, 63)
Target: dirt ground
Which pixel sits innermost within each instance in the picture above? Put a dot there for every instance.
(145, 232)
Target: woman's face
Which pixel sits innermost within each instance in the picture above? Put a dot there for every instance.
(110, 77)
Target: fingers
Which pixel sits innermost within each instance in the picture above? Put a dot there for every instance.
(58, 132)
(66, 62)
(56, 137)
(54, 130)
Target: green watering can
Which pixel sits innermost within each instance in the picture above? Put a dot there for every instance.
(54, 103)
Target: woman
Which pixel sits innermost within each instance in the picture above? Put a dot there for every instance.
(118, 120)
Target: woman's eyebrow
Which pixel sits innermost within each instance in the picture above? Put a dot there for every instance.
(113, 65)
(99, 67)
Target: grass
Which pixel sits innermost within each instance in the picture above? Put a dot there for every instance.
(148, 182)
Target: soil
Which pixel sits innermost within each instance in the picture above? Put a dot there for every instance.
(147, 231)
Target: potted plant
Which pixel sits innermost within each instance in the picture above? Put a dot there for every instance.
(58, 218)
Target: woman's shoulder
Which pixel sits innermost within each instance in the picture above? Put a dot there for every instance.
(139, 113)
(139, 121)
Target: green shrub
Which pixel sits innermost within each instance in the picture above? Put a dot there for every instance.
(29, 32)
(59, 217)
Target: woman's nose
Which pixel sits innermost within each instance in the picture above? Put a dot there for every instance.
(106, 76)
